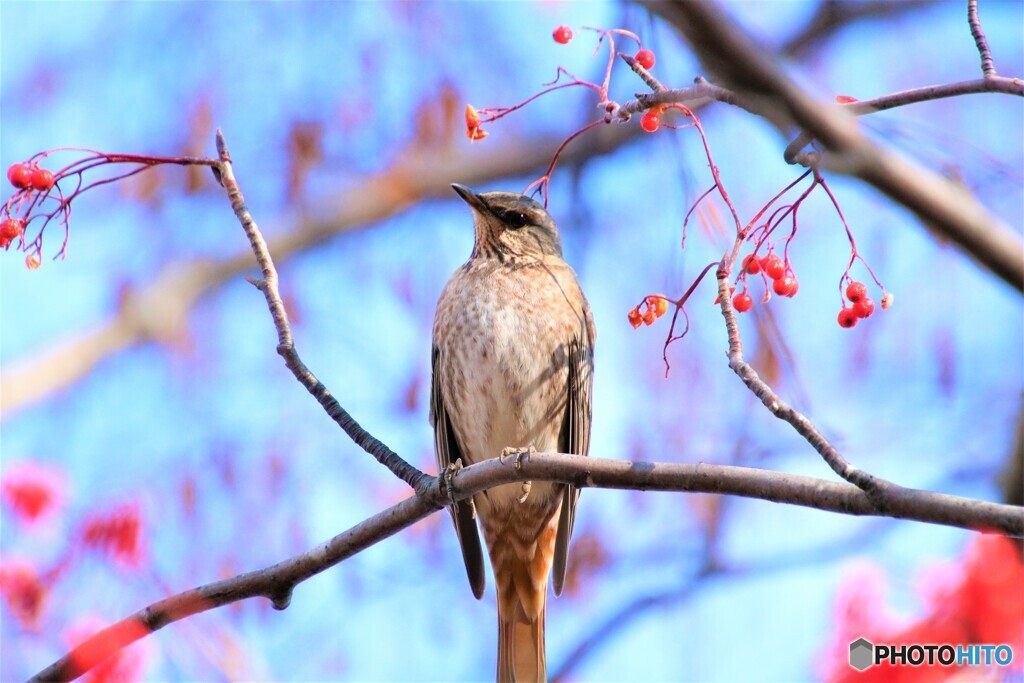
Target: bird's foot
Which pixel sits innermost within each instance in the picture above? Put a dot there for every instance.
(517, 454)
(449, 476)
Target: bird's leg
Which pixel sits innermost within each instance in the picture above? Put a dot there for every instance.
(517, 454)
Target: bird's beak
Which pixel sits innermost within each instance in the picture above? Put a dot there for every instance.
(470, 197)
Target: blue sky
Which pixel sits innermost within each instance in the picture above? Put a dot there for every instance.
(925, 394)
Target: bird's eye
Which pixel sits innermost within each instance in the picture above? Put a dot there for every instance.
(516, 220)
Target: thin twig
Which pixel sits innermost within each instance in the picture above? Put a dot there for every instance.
(987, 67)
(286, 344)
(744, 67)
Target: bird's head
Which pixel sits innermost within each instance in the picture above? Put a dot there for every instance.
(510, 225)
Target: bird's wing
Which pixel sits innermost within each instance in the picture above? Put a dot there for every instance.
(575, 435)
(447, 449)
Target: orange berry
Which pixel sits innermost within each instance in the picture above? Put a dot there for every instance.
(649, 316)
(635, 319)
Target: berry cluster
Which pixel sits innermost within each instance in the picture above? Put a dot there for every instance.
(784, 282)
(655, 307)
(33, 184)
(23, 177)
(861, 304)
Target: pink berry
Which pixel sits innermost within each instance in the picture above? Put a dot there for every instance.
(785, 286)
(42, 179)
(20, 176)
(12, 228)
(855, 291)
(847, 317)
(864, 307)
(644, 58)
(773, 266)
(562, 35)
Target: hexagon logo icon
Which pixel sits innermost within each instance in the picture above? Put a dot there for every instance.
(861, 651)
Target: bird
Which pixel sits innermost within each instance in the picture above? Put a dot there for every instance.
(512, 372)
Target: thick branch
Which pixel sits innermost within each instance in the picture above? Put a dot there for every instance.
(943, 205)
(278, 581)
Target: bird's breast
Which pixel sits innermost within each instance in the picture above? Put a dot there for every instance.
(502, 338)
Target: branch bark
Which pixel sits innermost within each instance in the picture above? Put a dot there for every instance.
(277, 582)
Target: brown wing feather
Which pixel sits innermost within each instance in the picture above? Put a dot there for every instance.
(447, 449)
(574, 438)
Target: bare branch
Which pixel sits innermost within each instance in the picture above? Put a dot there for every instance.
(987, 67)
(158, 311)
(941, 204)
(278, 581)
(833, 15)
(286, 344)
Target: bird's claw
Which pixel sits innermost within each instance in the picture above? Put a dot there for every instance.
(517, 455)
(449, 476)
(527, 485)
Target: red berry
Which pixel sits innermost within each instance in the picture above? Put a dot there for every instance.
(847, 317)
(794, 289)
(742, 302)
(785, 286)
(774, 267)
(20, 176)
(42, 179)
(649, 122)
(562, 35)
(751, 264)
(645, 58)
(12, 228)
(855, 291)
(864, 307)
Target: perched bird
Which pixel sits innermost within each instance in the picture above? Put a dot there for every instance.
(513, 360)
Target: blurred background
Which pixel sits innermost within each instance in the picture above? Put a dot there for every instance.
(169, 446)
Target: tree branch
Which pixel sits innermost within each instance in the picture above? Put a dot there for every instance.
(987, 67)
(158, 311)
(277, 582)
(286, 343)
(941, 204)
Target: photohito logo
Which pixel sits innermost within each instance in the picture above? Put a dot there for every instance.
(864, 653)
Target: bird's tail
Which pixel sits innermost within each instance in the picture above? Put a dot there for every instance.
(521, 645)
